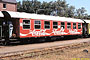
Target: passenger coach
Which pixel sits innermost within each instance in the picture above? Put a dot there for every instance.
(19, 25)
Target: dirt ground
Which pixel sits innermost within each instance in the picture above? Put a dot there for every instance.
(75, 53)
(69, 54)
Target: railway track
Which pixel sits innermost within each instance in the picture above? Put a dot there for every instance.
(39, 52)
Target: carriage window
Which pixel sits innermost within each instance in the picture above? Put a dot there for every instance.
(69, 25)
(74, 25)
(47, 24)
(4, 5)
(37, 24)
(55, 25)
(26, 24)
(79, 25)
(63, 25)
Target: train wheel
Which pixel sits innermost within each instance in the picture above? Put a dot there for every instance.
(41, 40)
(48, 39)
(6, 43)
(22, 41)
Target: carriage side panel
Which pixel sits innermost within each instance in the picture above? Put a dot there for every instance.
(45, 28)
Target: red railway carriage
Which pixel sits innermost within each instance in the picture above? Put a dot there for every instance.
(33, 25)
(25, 25)
(41, 28)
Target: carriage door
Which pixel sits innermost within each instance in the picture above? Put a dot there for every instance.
(7, 29)
(84, 28)
(10, 29)
(0, 32)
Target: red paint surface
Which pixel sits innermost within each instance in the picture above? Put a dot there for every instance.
(52, 32)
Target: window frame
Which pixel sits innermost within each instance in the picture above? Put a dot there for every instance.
(27, 24)
(74, 25)
(37, 24)
(44, 25)
(68, 25)
(55, 25)
(79, 26)
(62, 25)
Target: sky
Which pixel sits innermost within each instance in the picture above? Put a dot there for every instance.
(76, 3)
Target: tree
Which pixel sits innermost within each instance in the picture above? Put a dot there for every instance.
(80, 12)
(71, 11)
(56, 8)
(29, 6)
(19, 6)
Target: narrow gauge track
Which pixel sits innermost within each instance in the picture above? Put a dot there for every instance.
(4, 50)
(18, 43)
(44, 51)
(17, 46)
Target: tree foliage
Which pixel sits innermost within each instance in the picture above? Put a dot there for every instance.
(56, 8)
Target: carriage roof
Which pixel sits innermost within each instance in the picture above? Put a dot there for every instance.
(42, 17)
(87, 21)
